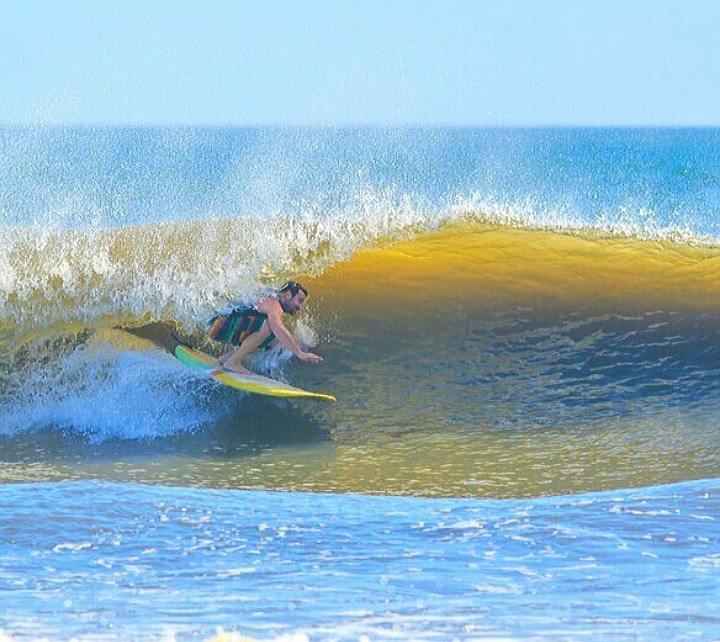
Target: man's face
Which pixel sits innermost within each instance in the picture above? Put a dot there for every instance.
(292, 304)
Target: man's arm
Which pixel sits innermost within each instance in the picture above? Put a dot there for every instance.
(272, 308)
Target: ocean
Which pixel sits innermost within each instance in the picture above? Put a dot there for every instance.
(521, 326)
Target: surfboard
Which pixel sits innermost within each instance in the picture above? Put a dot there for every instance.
(258, 384)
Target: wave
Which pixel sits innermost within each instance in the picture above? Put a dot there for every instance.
(184, 271)
(468, 357)
(430, 286)
(502, 313)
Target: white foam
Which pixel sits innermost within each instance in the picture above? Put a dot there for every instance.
(50, 274)
(104, 393)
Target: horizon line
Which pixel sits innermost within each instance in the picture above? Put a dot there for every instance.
(348, 125)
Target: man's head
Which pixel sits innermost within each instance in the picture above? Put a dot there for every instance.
(292, 297)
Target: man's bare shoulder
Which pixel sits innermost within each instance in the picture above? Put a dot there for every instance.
(269, 305)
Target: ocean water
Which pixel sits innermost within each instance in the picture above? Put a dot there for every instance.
(521, 327)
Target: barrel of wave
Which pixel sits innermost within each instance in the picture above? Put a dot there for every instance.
(468, 269)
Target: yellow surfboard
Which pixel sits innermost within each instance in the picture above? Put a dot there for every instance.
(250, 383)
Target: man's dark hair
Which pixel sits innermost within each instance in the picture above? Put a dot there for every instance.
(293, 287)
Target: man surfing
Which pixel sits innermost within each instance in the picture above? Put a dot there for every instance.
(261, 326)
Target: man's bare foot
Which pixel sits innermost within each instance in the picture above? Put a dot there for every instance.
(237, 369)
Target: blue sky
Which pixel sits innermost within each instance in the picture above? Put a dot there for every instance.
(361, 62)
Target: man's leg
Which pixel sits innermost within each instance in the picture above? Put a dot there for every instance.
(233, 361)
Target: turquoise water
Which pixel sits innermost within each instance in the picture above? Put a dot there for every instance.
(121, 561)
(520, 327)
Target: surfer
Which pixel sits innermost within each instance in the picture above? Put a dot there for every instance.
(261, 326)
